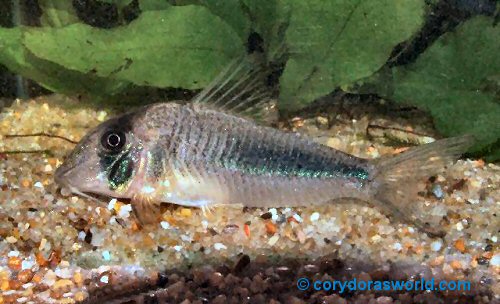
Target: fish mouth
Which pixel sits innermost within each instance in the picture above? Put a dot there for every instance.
(59, 175)
(64, 183)
(60, 178)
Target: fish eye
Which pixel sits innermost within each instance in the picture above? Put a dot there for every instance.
(113, 140)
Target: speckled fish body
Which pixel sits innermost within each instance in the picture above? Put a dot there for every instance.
(196, 155)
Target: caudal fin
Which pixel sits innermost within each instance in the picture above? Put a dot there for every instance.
(398, 179)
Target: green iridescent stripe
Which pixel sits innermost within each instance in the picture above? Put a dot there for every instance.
(338, 171)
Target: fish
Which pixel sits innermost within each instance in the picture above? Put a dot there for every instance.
(211, 151)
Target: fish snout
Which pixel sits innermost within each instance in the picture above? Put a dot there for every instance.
(60, 175)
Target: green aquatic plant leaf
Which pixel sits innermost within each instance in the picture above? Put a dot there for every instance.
(269, 18)
(456, 80)
(232, 12)
(334, 43)
(57, 13)
(153, 5)
(48, 74)
(167, 48)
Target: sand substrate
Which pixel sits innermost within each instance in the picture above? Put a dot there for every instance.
(61, 248)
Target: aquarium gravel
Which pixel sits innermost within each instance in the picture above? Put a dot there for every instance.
(60, 248)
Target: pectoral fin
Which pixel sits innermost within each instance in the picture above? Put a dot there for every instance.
(146, 210)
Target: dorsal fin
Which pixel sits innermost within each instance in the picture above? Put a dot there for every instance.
(240, 89)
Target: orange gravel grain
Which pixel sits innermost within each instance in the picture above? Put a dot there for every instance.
(460, 245)
(270, 228)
